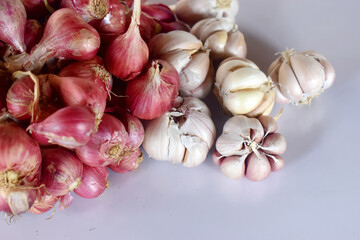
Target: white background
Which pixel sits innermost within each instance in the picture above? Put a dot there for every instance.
(315, 196)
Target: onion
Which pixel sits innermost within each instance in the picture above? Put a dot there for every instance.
(69, 127)
(91, 69)
(129, 162)
(107, 145)
(154, 92)
(33, 33)
(88, 9)
(20, 160)
(61, 171)
(128, 53)
(12, 23)
(114, 21)
(85, 92)
(93, 183)
(67, 36)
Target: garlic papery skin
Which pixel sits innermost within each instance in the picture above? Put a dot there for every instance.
(183, 135)
(250, 147)
(192, 11)
(222, 37)
(243, 89)
(185, 52)
(300, 76)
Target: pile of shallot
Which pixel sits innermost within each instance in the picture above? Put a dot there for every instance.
(78, 79)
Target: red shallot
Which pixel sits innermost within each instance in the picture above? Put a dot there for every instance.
(128, 54)
(61, 171)
(107, 145)
(90, 69)
(44, 202)
(69, 127)
(33, 33)
(87, 92)
(88, 9)
(20, 161)
(154, 92)
(94, 182)
(67, 36)
(114, 21)
(129, 162)
(12, 23)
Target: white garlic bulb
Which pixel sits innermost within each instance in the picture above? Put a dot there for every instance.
(183, 135)
(222, 37)
(192, 11)
(243, 89)
(300, 76)
(249, 146)
(184, 51)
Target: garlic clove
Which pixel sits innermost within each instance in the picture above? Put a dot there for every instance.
(274, 143)
(230, 65)
(257, 167)
(206, 27)
(328, 68)
(243, 102)
(236, 45)
(242, 125)
(274, 75)
(311, 80)
(265, 106)
(204, 89)
(176, 149)
(196, 150)
(288, 84)
(156, 137)
(269, 124)
(166, 42)
(198, 124)
(276, 163)
(227, 144)
(195, 72)
(178, 58)
(233, 167)
(217, 158)
(217, 42)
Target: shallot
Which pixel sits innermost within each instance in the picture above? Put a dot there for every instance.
(13, 23)
(67, 36)
(128, 54)
(154, 92)
(107, 145)
(93, 182)
(69, 127)
(20, 161)
(88, 9)
(61, 171)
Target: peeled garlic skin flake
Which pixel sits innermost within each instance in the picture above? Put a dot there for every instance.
(300, 76)
(249, 147)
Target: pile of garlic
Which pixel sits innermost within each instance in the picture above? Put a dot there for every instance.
(213, 56)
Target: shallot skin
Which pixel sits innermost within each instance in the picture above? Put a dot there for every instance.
(67, 36)
(13, 23)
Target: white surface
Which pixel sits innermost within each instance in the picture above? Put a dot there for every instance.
(315, 196)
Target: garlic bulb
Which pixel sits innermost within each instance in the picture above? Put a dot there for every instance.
(183, 135)
(184, 51)
(249, 146)
(192, 11)
(243, 89)
(222, 37)
(300, 76)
